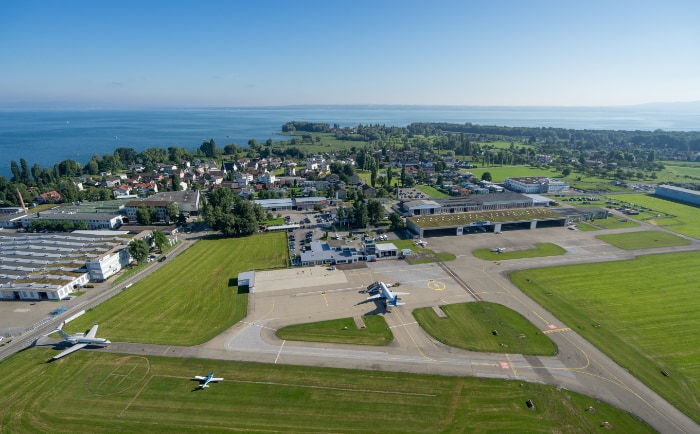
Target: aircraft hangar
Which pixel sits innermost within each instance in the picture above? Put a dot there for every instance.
(496, 221)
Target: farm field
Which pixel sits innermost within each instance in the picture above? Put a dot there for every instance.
(642, 313)
(674, 216)
(190, 300)
(112, 393)
(541, 249)
(340, 331)
(471, 326)
(643, 240)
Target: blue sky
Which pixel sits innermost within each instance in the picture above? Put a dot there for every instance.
(262, 53)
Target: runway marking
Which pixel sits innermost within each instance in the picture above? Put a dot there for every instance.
(504, 365)
(325, 298)
(564, 329)
(551, 326)
(510, 362)
(436, 285)
(408, 332)
(280, 351)
(403, 325)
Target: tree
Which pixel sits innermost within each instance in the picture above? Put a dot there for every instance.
(208, 148)
(375, 211)
(566, 172)
(171, 211)
(360, 214)
(396, 221)
(138, 249)
(389, 176)
(486, 176)
(160, 240)
(143, 216)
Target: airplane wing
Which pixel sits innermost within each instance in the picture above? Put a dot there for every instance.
(376, 296)
(92, 332)
(72, 349)
(401, 293)
(214, 380)
(197, 377)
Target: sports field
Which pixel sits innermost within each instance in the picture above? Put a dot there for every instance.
(191, 299)
(92, 392)
(643, 313)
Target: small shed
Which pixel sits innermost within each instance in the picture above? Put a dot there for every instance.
(247, 278)
(387, 249)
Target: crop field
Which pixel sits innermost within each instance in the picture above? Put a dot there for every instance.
(112, 393)
(643, 240)
(471, 326)
(643, 313)
(541, 249)
(341, 331)
(190, 300)
(674, 216)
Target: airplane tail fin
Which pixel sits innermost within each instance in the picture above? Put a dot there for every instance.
(60, 331)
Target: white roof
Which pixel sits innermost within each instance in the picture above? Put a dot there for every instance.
(386, 247)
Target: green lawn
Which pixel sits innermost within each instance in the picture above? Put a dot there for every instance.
(190, 300)
(541, 249)
(431, 191)
(643, 240)
(470, 326)
(420, 255)
(673, 216)
(99, 392)
(613, 223)
(341, 331)
(643, 313)
(499, 173)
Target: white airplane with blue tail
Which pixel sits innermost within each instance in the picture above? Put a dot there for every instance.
(206, 380)
(391, 297)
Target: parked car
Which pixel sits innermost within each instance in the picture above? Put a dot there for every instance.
(162, 258)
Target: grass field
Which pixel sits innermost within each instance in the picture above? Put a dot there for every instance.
(611, 223)
(190, 300)
(112, 393)
(340, 331)
(470, 326)
(420, 255)
(499, 173)
(643, 240)
(673, 216)
(431, 191)
(643, 313)
(541, 249)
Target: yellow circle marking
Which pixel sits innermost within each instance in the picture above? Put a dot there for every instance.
(436, 285)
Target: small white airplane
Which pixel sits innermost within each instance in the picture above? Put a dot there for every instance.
(206, 380)
(79, 340)
(391, 297)
(499, 250)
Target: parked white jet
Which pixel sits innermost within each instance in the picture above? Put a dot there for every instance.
(391, 297)
(79, 340)
(206, 380)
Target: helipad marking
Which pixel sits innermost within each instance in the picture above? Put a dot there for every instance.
(436, 285)
(505, 365)
(551, 326)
